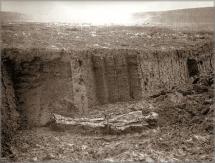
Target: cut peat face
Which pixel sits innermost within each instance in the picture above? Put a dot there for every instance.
(71, 82)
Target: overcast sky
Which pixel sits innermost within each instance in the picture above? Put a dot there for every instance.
(94, 11)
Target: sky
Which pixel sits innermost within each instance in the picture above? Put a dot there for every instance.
(94, 12)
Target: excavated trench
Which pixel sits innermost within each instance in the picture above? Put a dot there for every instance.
(71, 82)
(37, 82)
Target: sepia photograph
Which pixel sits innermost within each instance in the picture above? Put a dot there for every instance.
(107, 81)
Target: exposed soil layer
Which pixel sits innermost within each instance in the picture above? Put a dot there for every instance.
(10, 118)
(92, 71)
(72, 82)
(184, 132)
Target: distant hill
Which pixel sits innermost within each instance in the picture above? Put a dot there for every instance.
(183, 17)
(7, 17)
(191, 19)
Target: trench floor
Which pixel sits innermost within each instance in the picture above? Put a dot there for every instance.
(184, 133)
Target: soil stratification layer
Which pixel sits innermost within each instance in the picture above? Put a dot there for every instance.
(145, 92)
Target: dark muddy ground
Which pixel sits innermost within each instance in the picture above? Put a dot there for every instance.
(184, 131)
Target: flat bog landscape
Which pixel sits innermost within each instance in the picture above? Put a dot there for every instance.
(93, 91)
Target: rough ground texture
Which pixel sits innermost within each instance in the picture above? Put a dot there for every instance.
(71, 82)
(52, 67)
(65, 36)
(10, 119)
(184, 132)
(70, 71)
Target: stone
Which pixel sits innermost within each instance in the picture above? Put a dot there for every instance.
(176, 97)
